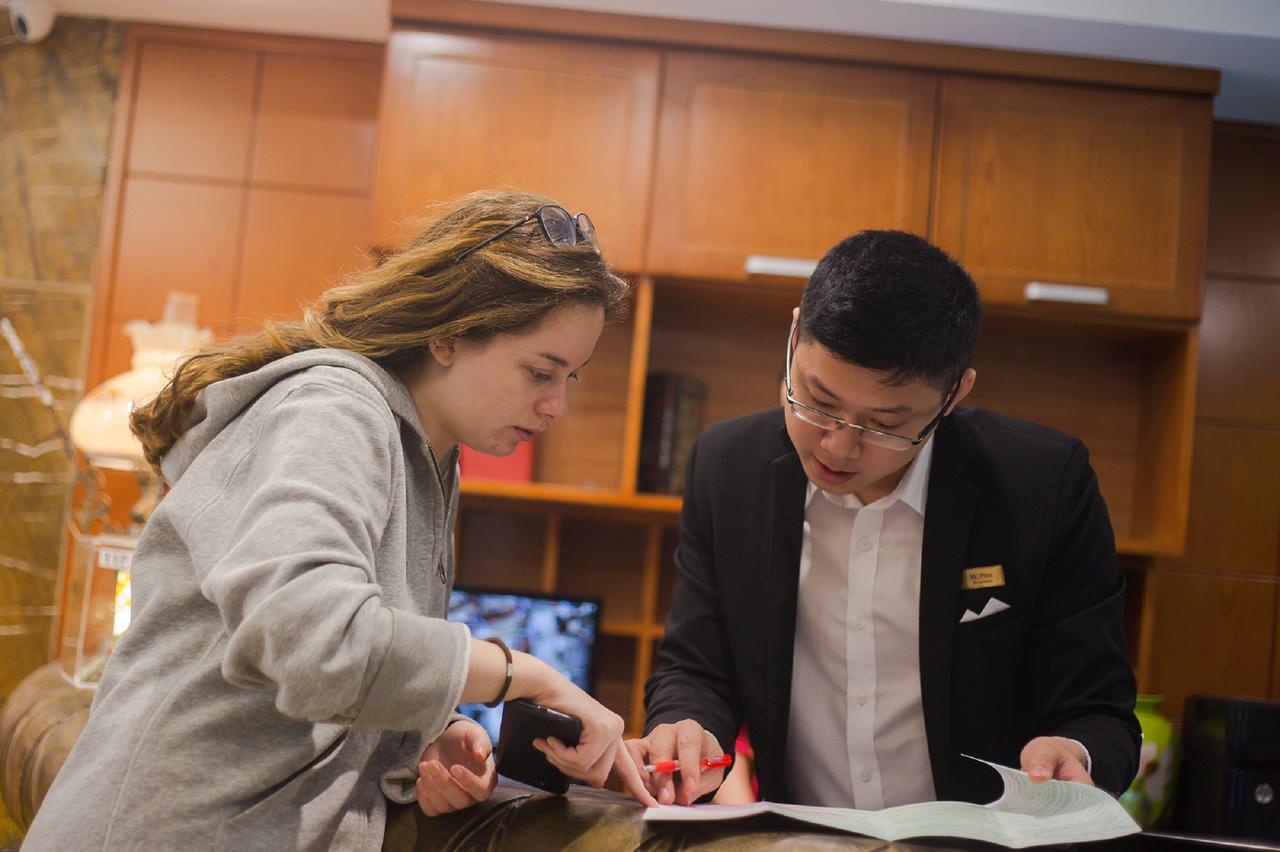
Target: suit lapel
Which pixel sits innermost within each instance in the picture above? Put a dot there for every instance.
(786, 535)
(948, 516)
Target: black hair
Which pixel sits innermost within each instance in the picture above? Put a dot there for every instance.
(892, 302)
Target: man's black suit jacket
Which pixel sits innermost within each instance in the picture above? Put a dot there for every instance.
(1001, 492)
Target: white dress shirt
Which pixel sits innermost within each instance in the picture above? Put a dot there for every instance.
(856, 735)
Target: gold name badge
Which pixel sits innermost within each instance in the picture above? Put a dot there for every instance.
(986, 577)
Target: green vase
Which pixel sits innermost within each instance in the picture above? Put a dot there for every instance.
(1148, 797)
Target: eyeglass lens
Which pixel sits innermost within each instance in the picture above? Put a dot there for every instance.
(560, 226)
(587, 230)
(830, 424)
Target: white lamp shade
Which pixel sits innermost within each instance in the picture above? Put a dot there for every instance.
(100, 422)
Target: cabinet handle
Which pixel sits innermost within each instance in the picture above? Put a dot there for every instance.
(1039, 291)
(784, 267)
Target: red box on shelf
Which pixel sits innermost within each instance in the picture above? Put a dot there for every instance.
(517, 467)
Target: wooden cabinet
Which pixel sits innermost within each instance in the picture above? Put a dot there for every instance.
(1208, 635)
(571, 120)
(193, 110)
(774, 159)
(696, 166)
(705, 169)
(1127, 392)
(241, 173)
(1100, 190)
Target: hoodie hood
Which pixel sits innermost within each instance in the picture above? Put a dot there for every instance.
(222, 402)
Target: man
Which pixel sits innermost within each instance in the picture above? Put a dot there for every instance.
(879, 584)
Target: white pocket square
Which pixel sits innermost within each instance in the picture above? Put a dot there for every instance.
(993, 606)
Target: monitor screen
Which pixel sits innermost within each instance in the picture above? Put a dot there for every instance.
(560, 631)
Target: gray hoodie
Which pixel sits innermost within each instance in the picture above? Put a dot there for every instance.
(288, 655)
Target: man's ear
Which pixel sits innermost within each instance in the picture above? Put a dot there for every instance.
(966, 384)
(442, 350)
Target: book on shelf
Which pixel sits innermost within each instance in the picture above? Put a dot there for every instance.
(517, 467)
(674, 406)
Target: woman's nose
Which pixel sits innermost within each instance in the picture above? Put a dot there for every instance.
(554, 405)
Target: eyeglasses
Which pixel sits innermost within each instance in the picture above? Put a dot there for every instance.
(886, 440)
(560, 228)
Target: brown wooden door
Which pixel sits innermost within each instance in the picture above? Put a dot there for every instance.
(1102, 191)
(573, 120)
(767, 158)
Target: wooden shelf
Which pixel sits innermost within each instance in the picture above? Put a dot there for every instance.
(539, 496)
(633, 629)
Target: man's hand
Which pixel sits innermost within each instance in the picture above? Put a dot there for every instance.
(687, 742)
(1054, 757)
(456, 771)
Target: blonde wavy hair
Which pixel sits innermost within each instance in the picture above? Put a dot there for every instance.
(392, 312)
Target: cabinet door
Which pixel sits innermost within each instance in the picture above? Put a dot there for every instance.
(771, 159)
(571, 120)
(1103, 191)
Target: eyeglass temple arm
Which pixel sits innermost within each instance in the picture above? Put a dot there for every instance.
(942, 412)
(475, 248)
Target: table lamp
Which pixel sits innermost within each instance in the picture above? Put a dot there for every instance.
(99, 594)
(100, 422)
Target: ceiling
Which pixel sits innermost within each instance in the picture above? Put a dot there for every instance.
(1240, 37)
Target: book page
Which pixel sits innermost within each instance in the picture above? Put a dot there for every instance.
(1026, 814)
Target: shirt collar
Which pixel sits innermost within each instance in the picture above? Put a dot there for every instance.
(912, 489)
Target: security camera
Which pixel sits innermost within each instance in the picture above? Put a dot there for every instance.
(31, 19)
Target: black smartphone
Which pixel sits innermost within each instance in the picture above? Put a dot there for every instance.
(522, 723)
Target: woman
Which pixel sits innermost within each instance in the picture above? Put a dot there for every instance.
(288, 656)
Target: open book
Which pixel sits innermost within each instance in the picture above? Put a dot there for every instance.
(1026, 814)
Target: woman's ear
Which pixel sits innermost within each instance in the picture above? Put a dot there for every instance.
(442, 350)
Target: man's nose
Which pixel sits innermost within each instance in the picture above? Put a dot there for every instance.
(843, 443)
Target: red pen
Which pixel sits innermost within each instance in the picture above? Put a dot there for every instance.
(674, 765)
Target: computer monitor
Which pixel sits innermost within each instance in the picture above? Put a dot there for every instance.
(559, 630)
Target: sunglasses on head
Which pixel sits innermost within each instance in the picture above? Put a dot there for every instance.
(560, 227)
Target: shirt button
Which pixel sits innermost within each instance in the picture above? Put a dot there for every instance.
(861, 698)
(865, 775)
(858, 623)
(864, 543)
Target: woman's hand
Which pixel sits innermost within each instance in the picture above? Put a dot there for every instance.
(599, 750)
(456, 771)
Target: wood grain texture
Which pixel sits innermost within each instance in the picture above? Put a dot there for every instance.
(731, 338)
(1235, 501)
(571, 120)
(584, 448)
(317, 121)
(500, 550)
(633, 428)
(296, 245)
(615, 675)
(782, 158)
(1118, 390)
(1240, 351)
(1244, 218)
(823, 45)
(1217, 631)
(1209, 635)
(177, 235)
(1071, 185)
(601, 559)
(246, 85)
(193, 112)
